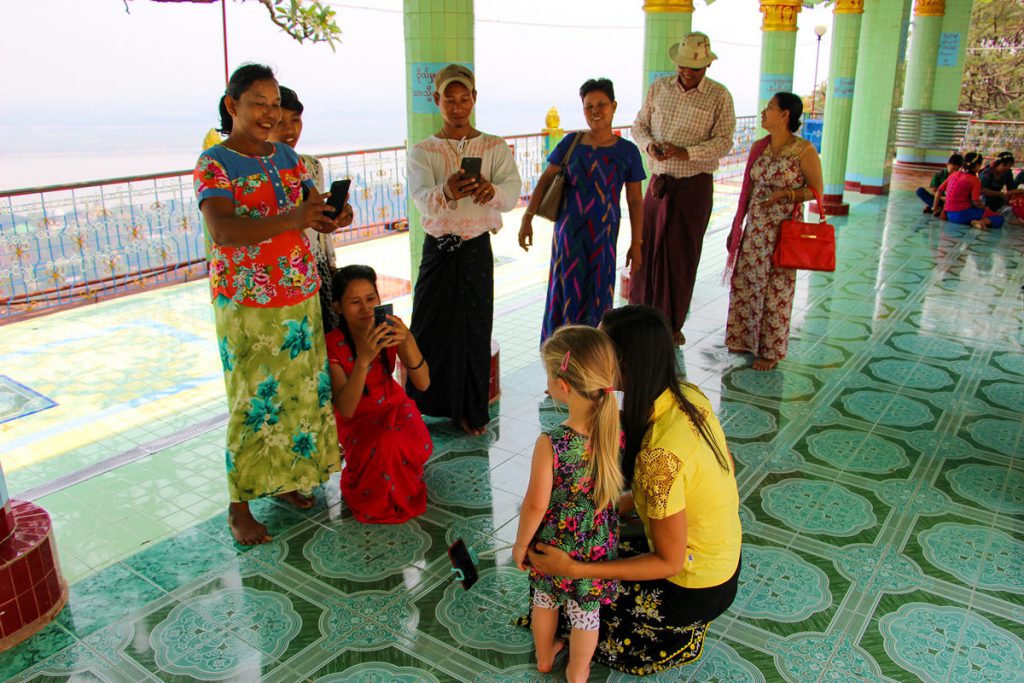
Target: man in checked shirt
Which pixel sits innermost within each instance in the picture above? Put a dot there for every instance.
(685, 125)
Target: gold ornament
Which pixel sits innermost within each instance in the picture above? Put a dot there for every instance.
(685, 6)
(780, 15)
(930, 8)
(849, 7)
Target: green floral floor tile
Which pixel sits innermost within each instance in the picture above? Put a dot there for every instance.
(962, 552)
(920, 636)
(38, 648)
(106, 597)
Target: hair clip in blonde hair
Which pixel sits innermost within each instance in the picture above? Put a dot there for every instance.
(565, 362)
(609, 390)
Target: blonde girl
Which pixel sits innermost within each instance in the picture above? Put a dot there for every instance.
(575, 482)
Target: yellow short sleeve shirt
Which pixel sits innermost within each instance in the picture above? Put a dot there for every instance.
(677, 470)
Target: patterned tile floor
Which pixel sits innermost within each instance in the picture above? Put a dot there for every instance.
(880, 469)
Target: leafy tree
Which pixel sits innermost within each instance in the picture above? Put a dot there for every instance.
(993, 85)
(303, 20)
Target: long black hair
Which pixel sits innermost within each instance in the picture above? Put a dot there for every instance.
(240, 81)
(647, 363)
(343, 277)
(787, 101)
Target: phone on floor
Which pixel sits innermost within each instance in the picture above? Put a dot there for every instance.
(471, 167)
(339, 195)
(458, 553)
(381, 313)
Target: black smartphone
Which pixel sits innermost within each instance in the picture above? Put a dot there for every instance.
(339, 195)
(458, 553)
(471, 167)
(380, 314)
(305, 192)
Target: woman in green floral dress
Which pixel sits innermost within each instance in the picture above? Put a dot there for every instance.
(281, 435)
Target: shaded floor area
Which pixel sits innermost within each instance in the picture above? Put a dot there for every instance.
(880, 473)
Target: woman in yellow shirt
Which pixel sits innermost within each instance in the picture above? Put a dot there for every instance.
(683, 484)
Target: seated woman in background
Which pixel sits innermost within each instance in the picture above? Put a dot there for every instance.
(381, 431)
(963, 197)
(998, 187)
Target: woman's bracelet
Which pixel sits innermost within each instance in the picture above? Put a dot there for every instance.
(529, 214)
(423, 359)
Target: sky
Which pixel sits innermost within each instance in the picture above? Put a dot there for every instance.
(101, 92)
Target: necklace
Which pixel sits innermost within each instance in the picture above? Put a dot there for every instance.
(457, 152)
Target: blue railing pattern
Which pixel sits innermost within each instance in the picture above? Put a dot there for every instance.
(73, 244)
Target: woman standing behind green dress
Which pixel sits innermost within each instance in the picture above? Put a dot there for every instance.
(281, 436)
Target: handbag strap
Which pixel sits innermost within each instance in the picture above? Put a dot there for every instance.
(821, 205)
(568, 155)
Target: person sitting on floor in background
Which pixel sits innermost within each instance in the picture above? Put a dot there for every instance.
(380, 428)
(963, 197)
(998, 184)
(927, 195)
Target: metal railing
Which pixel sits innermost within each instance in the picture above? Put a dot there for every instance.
(64, 245)
(992, 137)
(922, 129)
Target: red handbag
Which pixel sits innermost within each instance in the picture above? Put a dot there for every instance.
(806, 246)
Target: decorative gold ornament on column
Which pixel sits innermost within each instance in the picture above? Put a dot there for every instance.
(685, 6)
(780, 15)
(849, 7)
(930, 8)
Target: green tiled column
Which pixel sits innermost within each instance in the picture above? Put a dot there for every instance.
(924, 51)
(949, 66)
(883, 42)
(778, 48)
(665, 23)
(437, 33)
(842, 72)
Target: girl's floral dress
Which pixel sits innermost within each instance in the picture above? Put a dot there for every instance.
(281, 433)
(572, 524)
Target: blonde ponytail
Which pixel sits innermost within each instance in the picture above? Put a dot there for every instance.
(584, 357)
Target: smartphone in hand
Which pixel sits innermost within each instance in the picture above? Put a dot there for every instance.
(339, 195)
(471, 167)
(381, 313)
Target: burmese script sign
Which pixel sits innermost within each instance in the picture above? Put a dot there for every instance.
(421, 81)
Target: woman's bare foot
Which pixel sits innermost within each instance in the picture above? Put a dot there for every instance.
(546, 666)
(298, 500)
(979, 225)
(678, 338)
(472, 431)
(765, 364)
(244, 527)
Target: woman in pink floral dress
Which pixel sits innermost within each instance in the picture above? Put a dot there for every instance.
(783, 171)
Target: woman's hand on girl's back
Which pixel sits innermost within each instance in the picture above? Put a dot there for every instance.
(549, 560)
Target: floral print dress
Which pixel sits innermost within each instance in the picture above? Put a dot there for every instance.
(572, 524)
(281, 433)
(761, 296)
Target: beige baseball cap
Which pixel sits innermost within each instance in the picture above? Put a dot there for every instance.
(453, 73)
